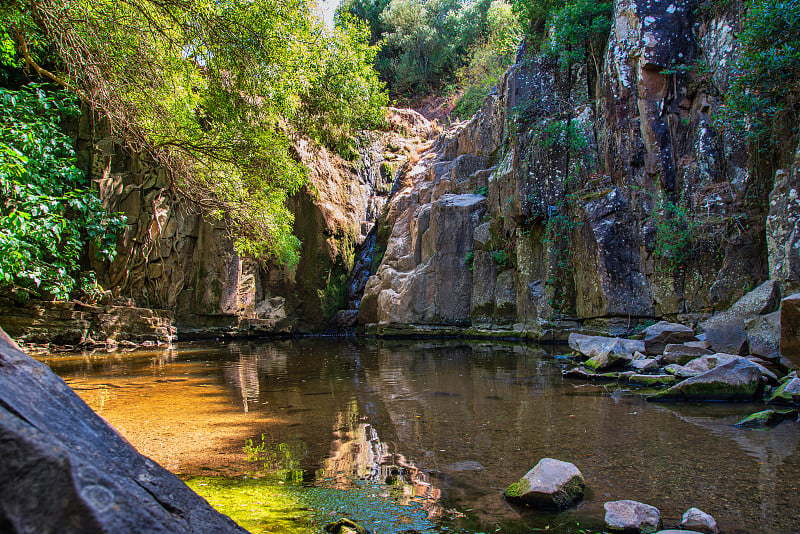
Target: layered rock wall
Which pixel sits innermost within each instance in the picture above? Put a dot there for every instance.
(173, 257)
(602, 211)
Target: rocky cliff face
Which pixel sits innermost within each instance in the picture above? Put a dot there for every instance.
(561, 205)
(172, 257)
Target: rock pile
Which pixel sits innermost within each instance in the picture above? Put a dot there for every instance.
(734, 356)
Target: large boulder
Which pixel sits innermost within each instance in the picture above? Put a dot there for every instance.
(726, 331)
(631, 517)
(700, 365)
(64, 469)
(699, 521)
(764, 336)
(790, 328)
(735, 380)
(661, 334)
(550, 485)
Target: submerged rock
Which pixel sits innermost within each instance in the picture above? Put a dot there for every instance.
(582, 374)
(632, 517)
(735, 380)
(661, 334)
(346, 526)
(64, 469)
(767, 418)
(786, 392)
(699, 521)
(550, 485)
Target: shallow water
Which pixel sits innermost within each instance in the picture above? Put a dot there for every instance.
(435, 431)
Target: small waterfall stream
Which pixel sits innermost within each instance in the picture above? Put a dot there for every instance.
(357, 282)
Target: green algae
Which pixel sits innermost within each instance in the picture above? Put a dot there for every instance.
(257, 505)
(265, 505)
(767, 418)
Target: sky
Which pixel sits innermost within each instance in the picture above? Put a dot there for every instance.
(326, 9)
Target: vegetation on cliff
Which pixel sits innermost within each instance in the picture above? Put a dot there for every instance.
(48, 213)
(214, 92)
(440, 46)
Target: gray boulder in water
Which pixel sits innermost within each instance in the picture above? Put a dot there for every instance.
(737, 379)
(699, 521)
(65, 470)
(631, 517)
(550, 485)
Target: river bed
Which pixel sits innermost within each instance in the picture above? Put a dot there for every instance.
(427, 434)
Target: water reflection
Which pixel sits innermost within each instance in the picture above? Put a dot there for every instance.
(448, 425)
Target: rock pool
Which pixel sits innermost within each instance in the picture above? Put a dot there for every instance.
(289, 435)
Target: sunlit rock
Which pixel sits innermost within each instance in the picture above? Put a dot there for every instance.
(64, 469)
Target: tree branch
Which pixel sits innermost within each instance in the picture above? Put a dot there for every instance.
(22, 48)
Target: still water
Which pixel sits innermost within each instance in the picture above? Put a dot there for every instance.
(432, 432)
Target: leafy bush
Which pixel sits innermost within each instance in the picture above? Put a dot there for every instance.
(489, 57)
(766, 80)
(429, 44)
(49, 213)
(674, 237)
(580, 31)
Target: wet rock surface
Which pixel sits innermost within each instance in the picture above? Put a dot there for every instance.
(66, 470)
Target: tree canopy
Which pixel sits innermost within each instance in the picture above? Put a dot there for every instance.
(213, 91)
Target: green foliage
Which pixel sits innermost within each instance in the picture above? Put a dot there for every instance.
(49, 213)
(557, 237)
(215, 92)
(347, 96)
(421, 44)
(428, 44)
(534, 16)
(766, 81)
(469, 259)
(489, 57)
(501, 258)
(580, 31)
(674, 237)
(333, 296)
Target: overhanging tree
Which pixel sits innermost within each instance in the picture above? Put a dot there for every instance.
(213, 91)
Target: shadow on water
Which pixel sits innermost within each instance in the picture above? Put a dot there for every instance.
(426, 435)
